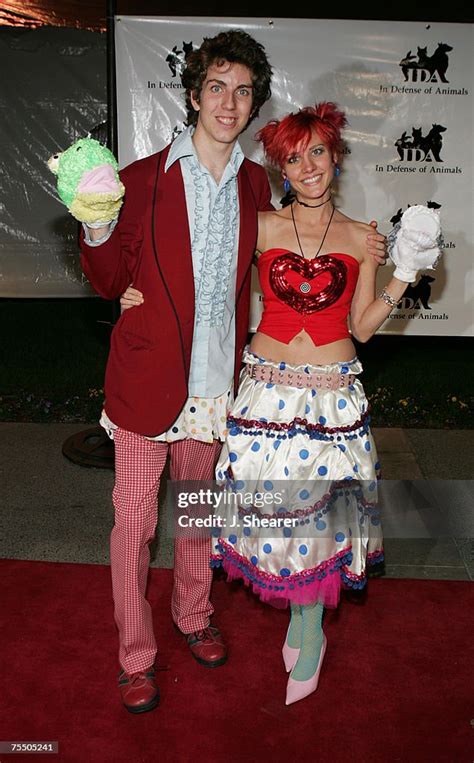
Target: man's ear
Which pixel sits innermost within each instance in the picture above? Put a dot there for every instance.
(195, 102)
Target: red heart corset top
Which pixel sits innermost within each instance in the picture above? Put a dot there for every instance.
(314, 295)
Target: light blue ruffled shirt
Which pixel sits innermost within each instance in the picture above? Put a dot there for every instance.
(213, 218)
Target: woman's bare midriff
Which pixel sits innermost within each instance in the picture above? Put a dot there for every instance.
(302, 349)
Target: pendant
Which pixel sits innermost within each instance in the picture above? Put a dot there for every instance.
(305, 287)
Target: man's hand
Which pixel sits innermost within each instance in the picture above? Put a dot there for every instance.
(377, 244)
(131, 298)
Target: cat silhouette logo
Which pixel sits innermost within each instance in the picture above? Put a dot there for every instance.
(425, 68)
(176, 59)
(419, 147)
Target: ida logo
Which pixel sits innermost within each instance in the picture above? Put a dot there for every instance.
(418, 295)
(424, 68)
(176, 59)
(419, 147)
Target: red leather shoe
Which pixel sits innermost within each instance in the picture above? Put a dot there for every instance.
(139, 690)
(207, 647)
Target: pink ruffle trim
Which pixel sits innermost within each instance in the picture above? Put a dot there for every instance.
(322, 583)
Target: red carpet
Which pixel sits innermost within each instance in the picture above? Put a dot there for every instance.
(396, 684)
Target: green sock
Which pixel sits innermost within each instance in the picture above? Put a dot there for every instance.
(311, 642)
(296, 624)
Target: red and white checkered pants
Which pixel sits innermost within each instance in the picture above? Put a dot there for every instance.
(139, 464)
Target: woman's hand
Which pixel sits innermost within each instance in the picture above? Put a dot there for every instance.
(131, 298)
(377, 244)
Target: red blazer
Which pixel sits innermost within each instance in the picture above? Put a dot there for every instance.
(146, 381)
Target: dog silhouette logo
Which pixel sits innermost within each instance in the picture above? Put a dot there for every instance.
(177, 130)
(176, 59)
(418, 295)
(398, 214)
(424, 68)
(419, 147)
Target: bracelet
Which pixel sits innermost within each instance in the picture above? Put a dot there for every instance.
(388, 299)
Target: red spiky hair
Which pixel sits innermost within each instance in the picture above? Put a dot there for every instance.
(281, 137)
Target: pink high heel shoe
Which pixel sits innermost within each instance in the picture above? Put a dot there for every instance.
(290, 653)
(296, 690)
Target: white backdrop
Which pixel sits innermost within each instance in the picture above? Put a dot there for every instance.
(406, 88)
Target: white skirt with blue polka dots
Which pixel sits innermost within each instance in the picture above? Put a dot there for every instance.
(298, 520)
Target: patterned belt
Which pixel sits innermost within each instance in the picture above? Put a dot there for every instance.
(273, 375)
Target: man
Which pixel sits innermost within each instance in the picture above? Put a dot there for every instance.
(185, 237)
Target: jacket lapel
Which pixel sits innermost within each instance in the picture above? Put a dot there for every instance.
(248, 227)
(172, 244)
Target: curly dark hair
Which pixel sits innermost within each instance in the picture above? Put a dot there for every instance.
(234, 46)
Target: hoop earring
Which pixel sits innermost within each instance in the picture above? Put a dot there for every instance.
(337, 171)
(286, 185)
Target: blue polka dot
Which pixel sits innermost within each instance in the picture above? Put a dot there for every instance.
(263, 419)
(267, 548)
(287, 471)
(232, 538)
(342, 447)
(255, 447)
(234, 431)
(341, 404)
(356, 468)
(239, 484)
(219, 474)
(247, 531)
(281, 404)
(304, 495)
(375, 521)
(232, 457)
(340, 537)
(268, 485)
(322, 470)
(269, 386)
(287, 532)
(304, 454)
(344, 369)
(244, 410)
(322, 419)
(351, 388)
(313, 393)
(254, 559)
(284, 572)
(320, 525)
(303, 549)
(372, 486)
(377, 465)
(307, 409)
(282, 366)
(367, 446)
(277, 444)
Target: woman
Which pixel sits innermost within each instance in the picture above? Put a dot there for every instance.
(299, 425)
(299, 465)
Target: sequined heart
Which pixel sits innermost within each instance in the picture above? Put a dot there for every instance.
(313, 300)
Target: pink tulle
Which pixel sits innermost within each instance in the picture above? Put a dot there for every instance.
(327, 590)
